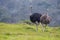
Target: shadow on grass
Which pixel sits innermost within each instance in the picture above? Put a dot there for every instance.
(13, 34)
(29, 28)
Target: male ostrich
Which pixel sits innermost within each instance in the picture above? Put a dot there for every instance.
(45, 20)
(35, 18)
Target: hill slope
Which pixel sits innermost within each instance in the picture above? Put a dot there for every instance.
(13, 11)
(27, 32)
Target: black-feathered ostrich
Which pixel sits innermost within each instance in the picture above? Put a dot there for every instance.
(45, 19)
(35, 18)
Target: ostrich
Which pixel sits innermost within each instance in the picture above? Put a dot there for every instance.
(45, 20)
(35, 18)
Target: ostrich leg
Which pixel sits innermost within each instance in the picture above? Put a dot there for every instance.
(36, 26)
(43, 27)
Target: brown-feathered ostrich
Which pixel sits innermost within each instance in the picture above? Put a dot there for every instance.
(45, 20)
(35, 18)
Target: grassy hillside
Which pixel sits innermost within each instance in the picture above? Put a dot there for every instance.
(27, 32)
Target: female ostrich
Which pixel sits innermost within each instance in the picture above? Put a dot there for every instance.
(35, 18)
(45, 19)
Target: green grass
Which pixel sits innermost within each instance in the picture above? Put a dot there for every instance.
(27, 32)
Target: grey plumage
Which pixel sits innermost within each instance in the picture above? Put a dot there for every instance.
(45, 20)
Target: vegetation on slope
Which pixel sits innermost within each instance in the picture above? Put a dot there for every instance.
(25, 31)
